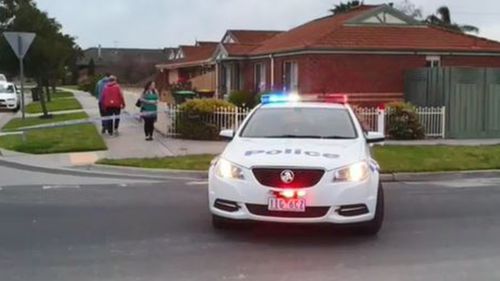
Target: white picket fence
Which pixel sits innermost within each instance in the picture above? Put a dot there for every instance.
(223, 118)
(432, 119)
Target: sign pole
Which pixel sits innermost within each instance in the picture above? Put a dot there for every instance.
(20, 43)
(21, 66)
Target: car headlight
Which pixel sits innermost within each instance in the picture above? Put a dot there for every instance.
(228, 170)
(11, 99)
(352, 173)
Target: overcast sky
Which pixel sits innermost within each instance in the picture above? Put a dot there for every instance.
(164, 23)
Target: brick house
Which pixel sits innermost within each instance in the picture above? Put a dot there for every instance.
(189, 63)
(197, 63)
(364, 53)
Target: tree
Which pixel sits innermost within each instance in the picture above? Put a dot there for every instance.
(51, 53)
(342, 8)
(442, 18)
(409, 9)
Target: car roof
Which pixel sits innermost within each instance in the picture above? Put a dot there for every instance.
(304, 105)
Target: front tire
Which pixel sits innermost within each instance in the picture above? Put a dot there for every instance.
(372, 227)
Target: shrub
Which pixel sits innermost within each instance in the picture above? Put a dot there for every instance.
(403, 122)
(194, 122)
(243, 99)
(89, 84)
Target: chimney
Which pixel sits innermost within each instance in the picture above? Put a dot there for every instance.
(99, 52)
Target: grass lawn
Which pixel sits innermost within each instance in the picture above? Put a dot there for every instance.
(71, 87)
(437, 158)
(62, 94)
(390, 158)
(54, 105)
(17, 123)
(68, 139)
(192, 162)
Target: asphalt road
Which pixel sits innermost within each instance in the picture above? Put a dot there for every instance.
(149, 230)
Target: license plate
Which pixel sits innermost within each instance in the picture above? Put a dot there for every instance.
(287, 205)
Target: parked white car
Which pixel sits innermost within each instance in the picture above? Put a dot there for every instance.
(295, 161)
(9, 96)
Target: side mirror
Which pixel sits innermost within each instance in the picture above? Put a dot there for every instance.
(374, 137)
(227, 134)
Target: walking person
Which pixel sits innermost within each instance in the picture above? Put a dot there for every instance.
(113, 102)
(149, 109)
(99, 89)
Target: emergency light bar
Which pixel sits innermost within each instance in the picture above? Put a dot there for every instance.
(280, 98)
(334, 98)
(294, 97)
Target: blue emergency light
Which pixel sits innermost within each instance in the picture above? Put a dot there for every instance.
(279, 98)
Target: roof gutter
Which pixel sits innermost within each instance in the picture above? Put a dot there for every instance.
(377, 52)
(185, 64)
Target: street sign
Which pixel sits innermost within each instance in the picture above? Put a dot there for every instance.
(20, 42)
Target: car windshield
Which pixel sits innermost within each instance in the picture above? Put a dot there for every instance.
(320, 123)
(7, 89)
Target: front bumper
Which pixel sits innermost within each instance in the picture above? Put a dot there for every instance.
(8, 104)
(326, 202)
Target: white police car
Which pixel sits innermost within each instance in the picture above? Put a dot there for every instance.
(297, 161)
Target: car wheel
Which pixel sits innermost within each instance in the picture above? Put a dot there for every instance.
(221, 223)
(373, 227)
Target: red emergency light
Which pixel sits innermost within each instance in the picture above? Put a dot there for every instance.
(334, 98)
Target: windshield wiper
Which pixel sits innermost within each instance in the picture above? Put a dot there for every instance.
(337, 137)
(294, 137)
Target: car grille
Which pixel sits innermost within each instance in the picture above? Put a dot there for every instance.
(311, 212)
(304, 178)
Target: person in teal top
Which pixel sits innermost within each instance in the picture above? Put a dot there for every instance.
(149, 109)
(99, 89)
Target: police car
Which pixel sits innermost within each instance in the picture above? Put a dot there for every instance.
(298, 161)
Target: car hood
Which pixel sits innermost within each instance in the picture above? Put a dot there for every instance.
(5, 96)
(309, 153)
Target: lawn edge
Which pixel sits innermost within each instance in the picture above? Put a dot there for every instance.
(384, 177)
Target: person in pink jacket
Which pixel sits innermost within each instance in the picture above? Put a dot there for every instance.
(113, 102)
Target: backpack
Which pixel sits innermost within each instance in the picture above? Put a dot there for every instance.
(112, 97)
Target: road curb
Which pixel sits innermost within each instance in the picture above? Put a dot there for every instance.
(439, 176)
(146, 171)
(386, 177)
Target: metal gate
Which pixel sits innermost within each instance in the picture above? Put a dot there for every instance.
(471, 96)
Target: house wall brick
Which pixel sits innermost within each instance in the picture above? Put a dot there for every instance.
(356, 73)
(379, 76)
(473, 61)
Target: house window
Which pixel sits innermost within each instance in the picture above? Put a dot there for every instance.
(290, 76)
(230, 78)
(433, 61)
(260, 77)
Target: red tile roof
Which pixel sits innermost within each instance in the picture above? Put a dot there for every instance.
(253, 36)
(239, 49)
(206, 43)
(332, 33)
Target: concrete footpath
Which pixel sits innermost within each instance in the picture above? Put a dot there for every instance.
(130, 143)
